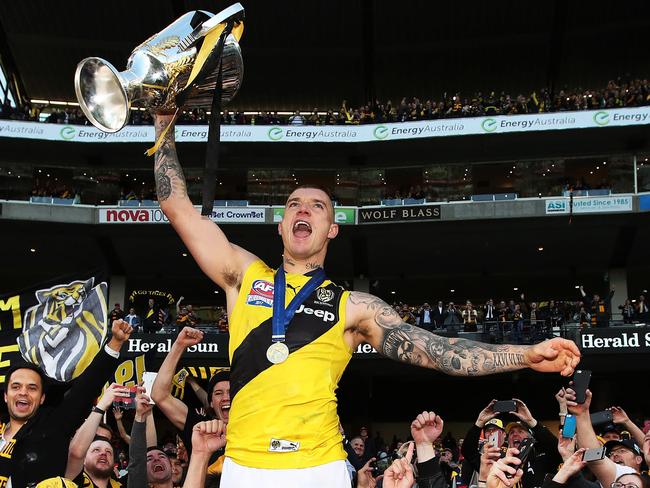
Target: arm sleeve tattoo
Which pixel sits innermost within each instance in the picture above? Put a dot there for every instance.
(170, 181)
(410, 344)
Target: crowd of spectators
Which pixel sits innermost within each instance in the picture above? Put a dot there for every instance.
(491, 454)
(110, 439)
(155, 317)
(522, 320)
(617, 93)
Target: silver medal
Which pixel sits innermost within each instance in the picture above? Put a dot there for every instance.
(277, 352)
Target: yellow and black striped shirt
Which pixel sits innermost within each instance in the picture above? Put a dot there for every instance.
(283, 416)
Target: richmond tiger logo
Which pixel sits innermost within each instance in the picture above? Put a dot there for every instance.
(63, 332)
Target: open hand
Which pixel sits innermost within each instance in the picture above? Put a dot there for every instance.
(486, 415)
(554, 356)
(523, 413)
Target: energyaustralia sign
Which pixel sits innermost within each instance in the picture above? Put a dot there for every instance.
(221, 215)
(501, 124)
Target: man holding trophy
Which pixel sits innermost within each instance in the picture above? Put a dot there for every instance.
(292, 331)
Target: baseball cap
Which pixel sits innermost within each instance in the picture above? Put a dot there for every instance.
(626, 443)
(609, 428)
(521, 425)
(494, 422)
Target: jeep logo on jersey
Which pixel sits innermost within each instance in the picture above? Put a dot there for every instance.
(324, 315)
(261, 294)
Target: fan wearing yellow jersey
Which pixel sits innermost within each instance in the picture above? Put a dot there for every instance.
(289, 348)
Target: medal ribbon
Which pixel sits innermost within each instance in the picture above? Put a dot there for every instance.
(282, 317)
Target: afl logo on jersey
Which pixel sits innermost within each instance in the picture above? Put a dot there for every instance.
(261, 294)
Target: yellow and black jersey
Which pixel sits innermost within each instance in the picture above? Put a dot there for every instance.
(283, 416)
(84, 481)
(6, 453)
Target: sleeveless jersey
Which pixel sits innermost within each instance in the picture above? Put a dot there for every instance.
(283, 416)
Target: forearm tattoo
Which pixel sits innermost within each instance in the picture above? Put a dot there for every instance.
(168, 173)
(454, 356)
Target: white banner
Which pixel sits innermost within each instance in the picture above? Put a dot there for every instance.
(589, 205)
(221, 215)
(500, 124)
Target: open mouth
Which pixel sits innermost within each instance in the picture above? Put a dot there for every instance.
(22, 405)
(301, 228)
(158, 468)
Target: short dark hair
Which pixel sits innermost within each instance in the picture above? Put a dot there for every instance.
(216, 378)
(30, 366)
(315, 186)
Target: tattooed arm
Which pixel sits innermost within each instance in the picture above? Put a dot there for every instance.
(372, 320)
(222, 261)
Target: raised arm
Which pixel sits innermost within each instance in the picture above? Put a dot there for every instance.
(372, 320)
(222, 261)
(161, 392)
(86, 433)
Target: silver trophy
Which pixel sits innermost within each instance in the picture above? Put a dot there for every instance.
(159, 69)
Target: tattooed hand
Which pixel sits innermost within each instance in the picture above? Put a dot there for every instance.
(373, 320)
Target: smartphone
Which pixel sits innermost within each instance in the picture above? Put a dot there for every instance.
(147, 383)
(127, 403)
(525, 448)
(569, 427)
(581, 380)
(604, 417)
(381, 465)
(504, 406)
(493, 440)
(595, 454)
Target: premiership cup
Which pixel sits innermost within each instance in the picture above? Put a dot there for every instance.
(159, 69)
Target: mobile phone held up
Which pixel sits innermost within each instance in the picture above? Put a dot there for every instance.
(381, 465)
(505, 406)
(569, 427)
(595, 454)
(599, 418)
(525, 448)
(127, 403)
(581, 380)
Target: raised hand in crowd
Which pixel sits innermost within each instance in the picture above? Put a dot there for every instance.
(571, 466)
(121, 331)
(510, 464)
(486, 415)
(425, 429)
(117, 415)
(400, 473)
(207, 437)
(523, 413)
(138, 446)
(566, 446)
(621, 418)
(491, 454)
(365, 479)
(646, 448)
(560, 396)
(187, 337)
(84, 436)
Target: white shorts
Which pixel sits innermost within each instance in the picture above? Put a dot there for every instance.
(330, 475)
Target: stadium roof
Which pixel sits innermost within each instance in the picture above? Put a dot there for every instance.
(304, 54)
